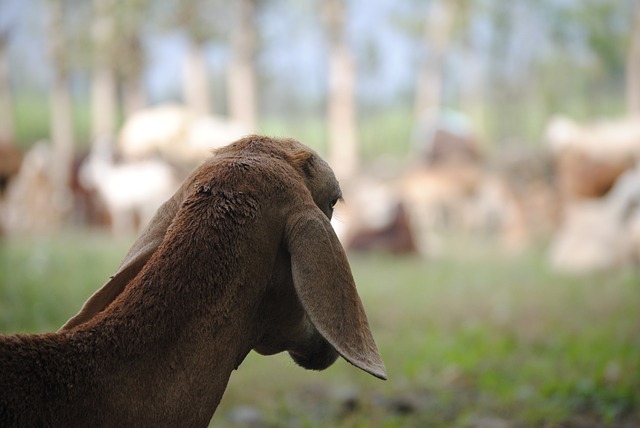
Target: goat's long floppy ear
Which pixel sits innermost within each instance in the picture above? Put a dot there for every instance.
(326, 288)
(139, 254)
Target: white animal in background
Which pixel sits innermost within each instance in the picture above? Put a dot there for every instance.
(607, 140)
(176, 133)
(600, 233)
(132, 191)
(31, 203)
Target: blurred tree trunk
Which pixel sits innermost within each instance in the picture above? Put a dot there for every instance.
(437, 34)
(242, 90)
(103, 86)
(7, 131)
(134, 94)
(633, 65)
(343, 145)
(61, 110)
(202, 20)
(133, 17)
(472, 100)
(195, 80)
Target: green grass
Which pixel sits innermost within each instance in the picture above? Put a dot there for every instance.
(43, 281)
(482, 337)
(32, 116)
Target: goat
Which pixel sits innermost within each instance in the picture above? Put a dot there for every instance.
(242, 257)
(176, 133)
(128, 189)
(589, 158)
(610, 140)
(10, 161)
(395, 236)
(600, 233)
(31, 193)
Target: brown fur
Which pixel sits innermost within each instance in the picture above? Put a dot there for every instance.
(10, 162)
(242, 257)
(582, 176)
(395, 237)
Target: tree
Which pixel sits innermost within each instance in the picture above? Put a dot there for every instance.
(131, 61)
(118, 61)
(104, 103)
(633, 65)
(437, 34)
(242, 86)
(343, 145)
(194, 17)
(195, 81)
(6, 110)
(444, 30)
(61, 108)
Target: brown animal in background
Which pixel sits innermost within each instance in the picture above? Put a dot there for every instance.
(582, 176)
(451, 147)
(10, 161)
(396, 236)
(242, 257)
(590, 157)
(89, 209)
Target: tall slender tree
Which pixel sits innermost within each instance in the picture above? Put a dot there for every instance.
(195, 74)
(633, 65)
(242, 74)
(104, 98)
(62, 136)
(341, 109)
(437, 34)
(195, 80)
(132, 20)
(7, 135)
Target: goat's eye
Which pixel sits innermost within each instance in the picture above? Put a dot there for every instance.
(334, 202)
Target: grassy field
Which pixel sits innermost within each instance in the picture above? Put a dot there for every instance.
(482, 339)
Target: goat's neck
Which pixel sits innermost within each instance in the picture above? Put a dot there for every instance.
(170, 363)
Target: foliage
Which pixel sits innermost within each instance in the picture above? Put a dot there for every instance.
(510, 65)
